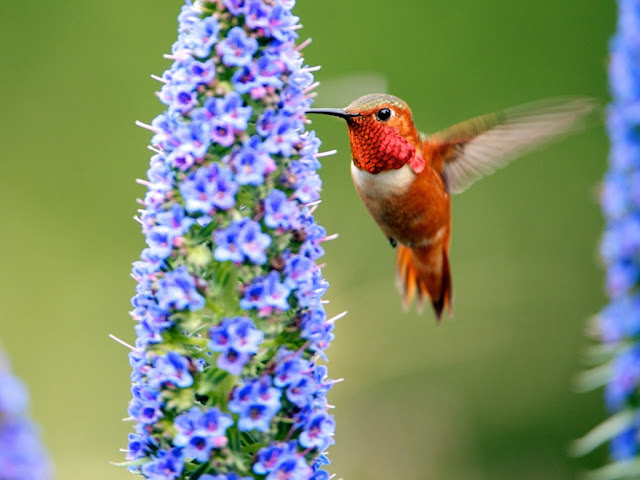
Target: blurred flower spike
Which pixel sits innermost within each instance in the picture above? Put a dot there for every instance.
(230, 321)
(22, 456)
(617, 360)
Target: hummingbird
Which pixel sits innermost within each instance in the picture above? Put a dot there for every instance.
(405, 178)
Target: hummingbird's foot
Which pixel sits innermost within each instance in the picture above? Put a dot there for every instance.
(393, 242)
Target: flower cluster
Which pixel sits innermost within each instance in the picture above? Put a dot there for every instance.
(230, 323)
(21, 454)
(619, 322)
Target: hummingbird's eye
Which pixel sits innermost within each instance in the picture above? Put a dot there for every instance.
(383, 114)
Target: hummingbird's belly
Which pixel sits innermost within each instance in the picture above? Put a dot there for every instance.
(402, 205)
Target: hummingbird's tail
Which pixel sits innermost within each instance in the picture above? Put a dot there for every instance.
(424, 272)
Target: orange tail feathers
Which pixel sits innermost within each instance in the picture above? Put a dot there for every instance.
(424, 272)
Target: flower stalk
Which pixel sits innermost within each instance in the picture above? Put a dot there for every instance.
(230, 326)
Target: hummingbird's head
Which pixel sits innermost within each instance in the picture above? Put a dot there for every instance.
(381, 131)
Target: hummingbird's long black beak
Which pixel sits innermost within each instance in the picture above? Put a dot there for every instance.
(336, 112)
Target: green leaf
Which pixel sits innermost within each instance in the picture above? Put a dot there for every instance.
(603, 432)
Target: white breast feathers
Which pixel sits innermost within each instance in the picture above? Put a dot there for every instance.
(383, 184)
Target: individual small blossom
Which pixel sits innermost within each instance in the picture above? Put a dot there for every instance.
(238, 333)
(227, 248)
(280, 460)
(242, 240)
(320, 475)
(253, 242)
(236, 7)
(177, 290)
(292, 466)
(256, 402)
(237, 49)
(145, 406)
(209, 188)
(289, 368)
(201, 72)
(269, 456)
(229, 110)
(175, 219)
(283, 137)
(251, 166)
(202, 36)
(236, 339)
(164, 465)
(266, 294)
(179, 97)
(303, 276)
(199, 432)
(318, 431)
(172, 369)
(279, 211)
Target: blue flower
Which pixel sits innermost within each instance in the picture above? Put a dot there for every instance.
(279, 212)
(201, 72)
(179, 97)
(228, 229)
(203, 35)
(22, 456)
(208, 188)
(236, 339)
(199, 432)
(172, 369)
(145, 406)
(228, 110)
(624, 446)
(253, 242)
(290, 467)
(266, 294)
(318, 431)
(256, 403)
(13, 395)
(300, 393)
(164, 465)
(268, 457)
(236, 7)
(320, 475)
(251, 166)
(227, 248)
(177, 290)
(289, 368)
(283, 137)
(242, 240)
(237, 49)
(175, 220)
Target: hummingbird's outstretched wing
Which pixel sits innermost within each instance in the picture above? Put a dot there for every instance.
(475, 148)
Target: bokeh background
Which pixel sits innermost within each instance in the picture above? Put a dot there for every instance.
(486, 395)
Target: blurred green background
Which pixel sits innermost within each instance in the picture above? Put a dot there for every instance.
(486, 395)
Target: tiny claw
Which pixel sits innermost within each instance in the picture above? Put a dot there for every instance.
(393, 242)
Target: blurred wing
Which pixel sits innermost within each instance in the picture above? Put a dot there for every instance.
(480, 146)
